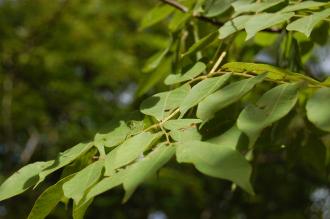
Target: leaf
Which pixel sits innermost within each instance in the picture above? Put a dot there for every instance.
(115, 137)
(104, 185)
(129, 151)
(84, 179)
(148, 166)
(182, 134)
(156, 15)
(318, 109)
(48, 200)
(78, 211)
(202, 90)
(272, 106)
(303, 5)
(154, 61)
(178, 21)
(218, 7)
(228, 139)
(263, 21)
(64, 158)
(226, 96)
(244, 6)
(233, 26)
(273, 72)
(196, 70)
(306, 24)
(217, 161)
(202, 43)
(161, 104)
(21, 180)
(176, 124)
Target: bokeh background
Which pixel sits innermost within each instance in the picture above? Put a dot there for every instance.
(69, 67)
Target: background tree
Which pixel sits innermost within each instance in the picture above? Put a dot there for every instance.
(265, 128)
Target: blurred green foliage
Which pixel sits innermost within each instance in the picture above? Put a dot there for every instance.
(68, 67)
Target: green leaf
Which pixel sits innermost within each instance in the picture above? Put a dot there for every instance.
(104, 185)
(217, 7)
(246, 6)
(78, 211)
(196, 70)
(64, 158)
(303, 5)
(182, 134)
(178, 21)
(161, 104)
(230, 138)
(115, 137)
(318, 109)
(156, 15)
(306, 24)
(217, 161)
(21, 180)
(146, 167)
(84, 179)
(154, 61)
(176, 124)
(226, 96)
(202, 43)
(202, 90)
(129, 151)
(48, 200)
(150, 80)
(272, 106)
(263, 21)
(273, 72)
(233, 26)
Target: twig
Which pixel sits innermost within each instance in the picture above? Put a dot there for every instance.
(216, 65)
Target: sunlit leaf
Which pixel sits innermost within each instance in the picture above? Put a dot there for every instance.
(217, 161)
(318, 109)
(196, 70)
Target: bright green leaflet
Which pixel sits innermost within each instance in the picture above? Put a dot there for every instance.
(265, 20)
(202, 43)
(148, 166)
(156, 15)
(48, 200)
(196, 70)
(318, 109)
(78, 211)
(129, 151)
(213, 160)
(303, 5)
(218, 7)
(104, 185)
(233, 26)
(306, 24)
(230, 138)
(273, 72)
(115, 137)
(202, 90)
(226, 96)
(84, 179)
(161, 104)
(185, 133)
(176, 124)
(272, 106)
(21, 180)
(246, 6)
(64, 159)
